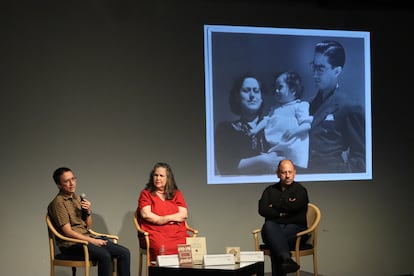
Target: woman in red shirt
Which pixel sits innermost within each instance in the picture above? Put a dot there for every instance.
(162, 212)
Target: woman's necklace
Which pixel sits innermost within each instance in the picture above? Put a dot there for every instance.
(161, 195)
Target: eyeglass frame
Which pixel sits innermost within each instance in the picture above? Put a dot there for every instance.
(319, 69)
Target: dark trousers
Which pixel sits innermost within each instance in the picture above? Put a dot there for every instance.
(104, 255)
(280, 238)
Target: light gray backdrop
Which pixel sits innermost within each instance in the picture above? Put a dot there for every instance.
(109, 88)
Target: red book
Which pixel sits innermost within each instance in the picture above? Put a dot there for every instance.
(184, 254)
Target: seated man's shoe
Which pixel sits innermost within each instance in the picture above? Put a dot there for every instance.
(289, 266)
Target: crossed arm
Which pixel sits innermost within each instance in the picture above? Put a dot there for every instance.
(178, 217)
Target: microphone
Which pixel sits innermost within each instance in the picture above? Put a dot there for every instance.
(85, 212)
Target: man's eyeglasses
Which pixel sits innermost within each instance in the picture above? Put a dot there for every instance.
(67, 181)
(317, 68)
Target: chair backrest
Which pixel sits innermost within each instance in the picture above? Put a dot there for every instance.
(54, 234)
(313, 217)
(52, 241)
(59, 259)
(142, 235)
(306, 240)
(144, 242)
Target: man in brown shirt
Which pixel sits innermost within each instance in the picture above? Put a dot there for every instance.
(71, 215)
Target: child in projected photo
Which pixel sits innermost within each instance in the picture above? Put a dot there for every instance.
(287, 126)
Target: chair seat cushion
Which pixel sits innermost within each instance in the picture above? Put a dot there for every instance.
(69, 257)
(303, 246)
(142, 242)
(62, 256)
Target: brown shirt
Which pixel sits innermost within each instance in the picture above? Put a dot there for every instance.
(65, 209)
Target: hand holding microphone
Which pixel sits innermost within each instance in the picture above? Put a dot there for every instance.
(86, 206)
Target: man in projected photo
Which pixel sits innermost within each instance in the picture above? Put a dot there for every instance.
(337, 134)
(236, 150)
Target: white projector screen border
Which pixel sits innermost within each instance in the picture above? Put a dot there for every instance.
(231, 51)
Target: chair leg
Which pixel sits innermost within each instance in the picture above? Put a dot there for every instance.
(115, 267)
(146, 266)
(73, 271)
(140, 265)
(297, 259)
(315, 265)
(87, 269)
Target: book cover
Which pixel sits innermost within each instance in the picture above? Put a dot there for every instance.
(198, 248)
(184, 254)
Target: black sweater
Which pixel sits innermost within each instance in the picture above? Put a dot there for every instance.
(287, 207)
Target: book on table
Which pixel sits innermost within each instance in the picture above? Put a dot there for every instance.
(198, 248)
(184, 254)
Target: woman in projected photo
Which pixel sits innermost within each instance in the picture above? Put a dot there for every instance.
(286, 128)
(236, 150)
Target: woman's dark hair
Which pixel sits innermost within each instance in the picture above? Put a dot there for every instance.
(234, 97)
(170, 187)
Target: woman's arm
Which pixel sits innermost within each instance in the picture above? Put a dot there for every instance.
(265, 162)
(178, 217)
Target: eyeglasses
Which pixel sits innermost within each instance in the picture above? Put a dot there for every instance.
(319, 69)
(67, 181)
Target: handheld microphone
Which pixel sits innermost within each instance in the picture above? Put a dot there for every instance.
(85, 213)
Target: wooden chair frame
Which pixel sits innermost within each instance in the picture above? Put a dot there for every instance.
(145, 250)
(60, 259)
(313, 217)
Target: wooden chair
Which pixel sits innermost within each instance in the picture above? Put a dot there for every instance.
(60, 259)
(144, 246)
(302, 247)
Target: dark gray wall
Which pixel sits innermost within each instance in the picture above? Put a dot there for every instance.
(110, 87)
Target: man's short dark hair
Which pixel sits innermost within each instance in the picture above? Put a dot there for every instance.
(58, 172)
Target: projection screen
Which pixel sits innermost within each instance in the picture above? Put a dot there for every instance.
(231, 52)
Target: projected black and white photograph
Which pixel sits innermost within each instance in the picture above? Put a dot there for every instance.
(276, 93)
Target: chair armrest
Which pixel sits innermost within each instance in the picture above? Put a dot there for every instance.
(308, 230)
(304, 232)
(255, 233)
(109, 236)
(138, 227)
(192, 230)
(59, 235)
